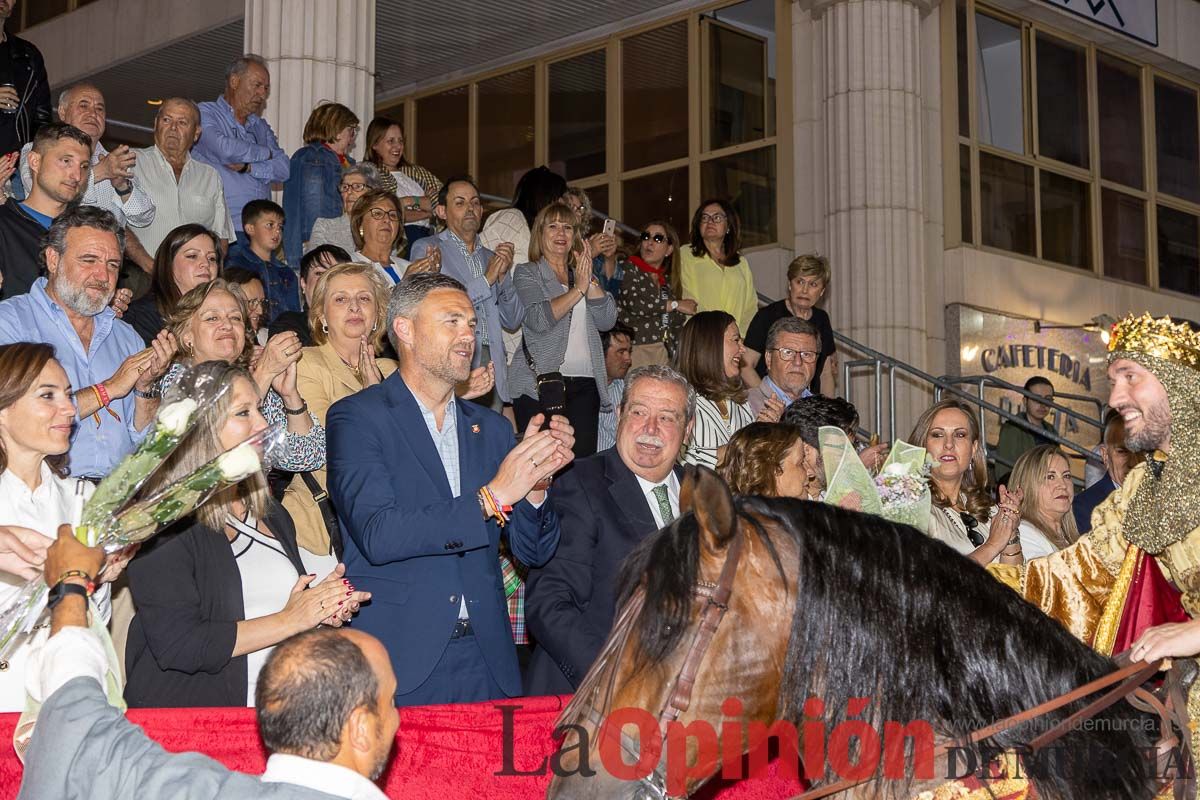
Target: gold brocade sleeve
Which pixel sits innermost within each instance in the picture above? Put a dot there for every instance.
(1074, 584)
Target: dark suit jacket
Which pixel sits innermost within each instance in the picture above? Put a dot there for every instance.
(188, 593)
(1086, 501)
(413, 545)
(570, 603)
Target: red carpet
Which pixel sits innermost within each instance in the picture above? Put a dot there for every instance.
(441, 751)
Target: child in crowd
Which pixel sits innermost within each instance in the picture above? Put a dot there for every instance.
(262, 220)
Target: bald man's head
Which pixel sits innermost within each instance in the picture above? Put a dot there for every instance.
(326, 695)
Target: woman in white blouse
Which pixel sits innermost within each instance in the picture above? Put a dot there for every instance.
(1043, 475)
(962, 515)
(710, 357)
(36, 417)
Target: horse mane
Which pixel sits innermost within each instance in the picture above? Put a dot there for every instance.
(885, 612)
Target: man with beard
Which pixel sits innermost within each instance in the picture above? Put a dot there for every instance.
(425, 486)
(113, 374)
(1134, 581)
(487, 276)
(109, 184)
(238, 142)
(323, 700)
(59, 162)
(608, 503)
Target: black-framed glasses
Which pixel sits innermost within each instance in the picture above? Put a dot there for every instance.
(972, 526)
(788, 354)
(379, 213)
(258, 304)
(658, 237)
(717, 217)
(352, 187)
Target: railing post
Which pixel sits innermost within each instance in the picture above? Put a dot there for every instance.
(878, 395)
(891, 403)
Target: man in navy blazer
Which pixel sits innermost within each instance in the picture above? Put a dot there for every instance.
(1118, 460)
(487, 275)
(608, 503)
(416, 477)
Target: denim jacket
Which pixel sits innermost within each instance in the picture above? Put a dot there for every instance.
(280, 283)
(310, 192)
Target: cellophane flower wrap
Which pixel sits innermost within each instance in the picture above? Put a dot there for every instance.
(899, 493)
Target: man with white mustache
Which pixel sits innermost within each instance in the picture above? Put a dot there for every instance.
(114, 376)
(607, 503)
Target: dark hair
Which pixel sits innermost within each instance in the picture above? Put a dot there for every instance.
(753, 456)
(376, 131)
(20, 365)
(619, 329)
(975, 482)
(315, 256)
(671, 262)
(410, 292)
(701, 345)
(732, 242)
(162, 280)
(361, 208)
(240, 276)
(57, 131)
(790, 324)
(444, 192)
(258, 208)
(810, 413)
(537, 188)
(307, 690)
(1038, 380)
(326, 121)
(78, 216)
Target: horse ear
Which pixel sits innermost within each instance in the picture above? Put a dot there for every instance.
(708, 497)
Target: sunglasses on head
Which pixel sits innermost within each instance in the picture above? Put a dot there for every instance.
(658, 237)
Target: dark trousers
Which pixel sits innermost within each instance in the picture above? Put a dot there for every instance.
(461, 676)
(583, 412)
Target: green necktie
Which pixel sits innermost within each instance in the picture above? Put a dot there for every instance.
(664, 504)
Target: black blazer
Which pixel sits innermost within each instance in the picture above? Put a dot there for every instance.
(188, 594)
(1086, 501)
(570, 603)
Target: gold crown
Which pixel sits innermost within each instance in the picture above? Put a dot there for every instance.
(1160, 338)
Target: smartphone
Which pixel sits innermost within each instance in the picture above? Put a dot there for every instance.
(610, 226)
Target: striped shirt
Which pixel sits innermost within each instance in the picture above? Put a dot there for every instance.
(712, 430)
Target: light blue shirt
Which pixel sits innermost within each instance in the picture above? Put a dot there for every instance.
(606, 428)
(226, 141)
(35, 317)
(781, 394)
(445, 442)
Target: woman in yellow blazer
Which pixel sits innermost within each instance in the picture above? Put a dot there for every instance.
(347, 318)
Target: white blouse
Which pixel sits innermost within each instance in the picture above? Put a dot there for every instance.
(267, 580)
(1034, 543)
(43, 509)
(946, 525)
(398, 266)
(712, 430)
(407, 187)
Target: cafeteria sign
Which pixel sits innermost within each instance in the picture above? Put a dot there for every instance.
(1137, 19)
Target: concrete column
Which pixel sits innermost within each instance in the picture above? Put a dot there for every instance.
(318, 51)
(868, 93)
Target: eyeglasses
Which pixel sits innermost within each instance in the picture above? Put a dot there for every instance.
(718, 217)
(788, 354)
(352, 187)
(658, 237)
(379, 213)
(972, 526)
(258, 304)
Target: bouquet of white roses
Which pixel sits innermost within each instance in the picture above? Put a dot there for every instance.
(899, 493)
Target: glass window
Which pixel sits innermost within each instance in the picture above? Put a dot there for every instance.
(1066, 220)
(748, 180)
(999, 78)
(1177, 140)
(663, 195)
(740, 91)
(1006, 204)
(1062, 101)
(964, 105)
(577, 116)
(654, 96)
(1178, 251)
(442, 128)
(964, 192)
(505, 131)
(1123, 225)
(41, 10)
(1119, 89)
(599, 197)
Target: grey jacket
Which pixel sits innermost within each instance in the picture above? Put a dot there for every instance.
(546, 338)
(84, 749)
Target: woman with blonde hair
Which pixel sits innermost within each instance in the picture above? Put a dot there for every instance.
(1043, 475)
(217, 591)
(565, 311)
(769, 460)
(962, 515)
(311, 190)
(348, 318)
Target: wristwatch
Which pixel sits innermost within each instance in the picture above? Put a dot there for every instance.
(61, 590)
(674, 305)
